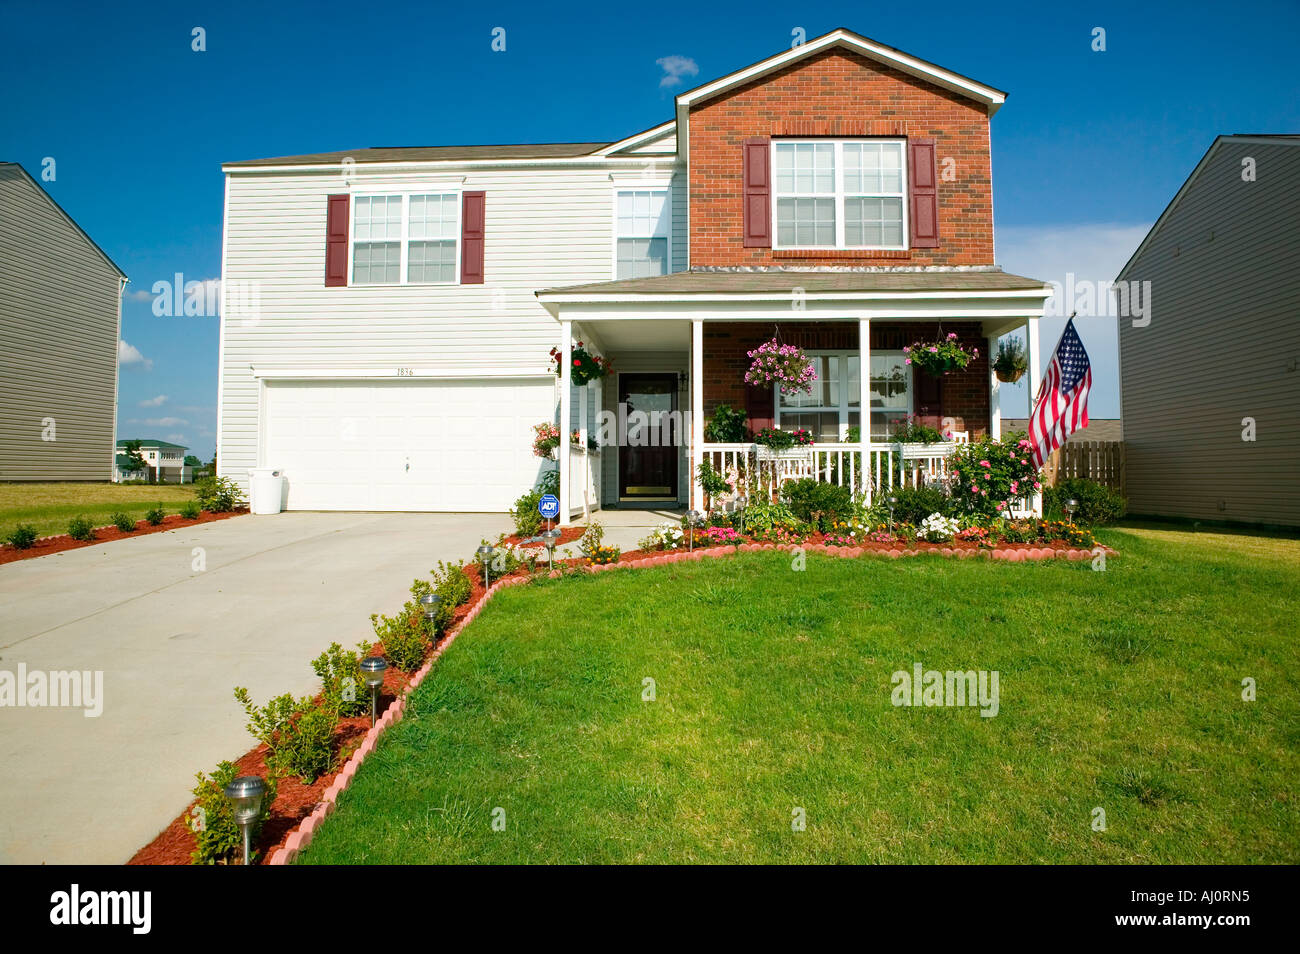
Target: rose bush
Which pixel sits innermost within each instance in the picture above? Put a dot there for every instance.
(987, 475)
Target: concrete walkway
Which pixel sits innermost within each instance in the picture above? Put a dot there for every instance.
(172, 642)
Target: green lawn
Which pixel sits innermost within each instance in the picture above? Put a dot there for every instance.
(49, 507)
(1119, 690)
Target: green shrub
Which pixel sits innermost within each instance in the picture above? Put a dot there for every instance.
(914, 504)
(910, 430)
(1098, 504)
(217, 494)
(342, 684)
(727, 426)
(452, 586)
(549, 482)
(762, 518)
(190, 510)
(80, 528)
(713, 483)
(21, 536)
(299, 734)
(591, 539)
(528, 522)
(988, 474)
(218, 840)
(405, 637)
(124, 522)
(155, 515)
(830, 502)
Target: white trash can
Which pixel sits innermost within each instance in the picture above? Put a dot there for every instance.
(265, 490)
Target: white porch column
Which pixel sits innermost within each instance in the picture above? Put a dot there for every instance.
(1035, 376)
(697, 410)
(566, 415)
(995, 392)
(864, 401)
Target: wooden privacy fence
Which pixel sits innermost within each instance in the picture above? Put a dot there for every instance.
(1102, 461)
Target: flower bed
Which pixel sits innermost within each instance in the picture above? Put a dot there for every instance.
(58, 544)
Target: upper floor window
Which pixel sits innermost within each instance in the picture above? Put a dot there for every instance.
(405, 239)
(840, 194)
(641, 233)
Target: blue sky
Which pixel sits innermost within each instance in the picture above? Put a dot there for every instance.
(1087, 151)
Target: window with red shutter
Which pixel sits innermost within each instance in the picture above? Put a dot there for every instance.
(336, 240)
(923, 186)
(757, 190)
(473, 215)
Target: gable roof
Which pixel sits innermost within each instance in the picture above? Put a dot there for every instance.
(542, 150)
(1276, 139)
(990, 96)
(163, 445)
(15, 166)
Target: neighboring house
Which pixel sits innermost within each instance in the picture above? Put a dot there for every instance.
(1210, 384)
(60, 320)
(1098, 429)
(388, 313)
(164, 463)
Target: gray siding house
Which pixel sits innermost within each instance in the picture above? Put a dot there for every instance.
(60, 319)
(1210, 382)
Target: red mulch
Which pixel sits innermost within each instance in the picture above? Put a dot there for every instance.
(47, 545)
(567, 535)
(294, 801)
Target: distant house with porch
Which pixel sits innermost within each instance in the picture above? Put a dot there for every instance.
(164, 463)
(1210, 385)
(836, 195)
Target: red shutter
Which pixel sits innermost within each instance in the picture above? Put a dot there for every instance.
(758, 192)
(336, 240)
(923, 186)
(473, 211)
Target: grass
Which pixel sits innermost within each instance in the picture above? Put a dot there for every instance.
(49, 507)
(1120, 690)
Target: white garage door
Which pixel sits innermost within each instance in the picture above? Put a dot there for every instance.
(405, 445)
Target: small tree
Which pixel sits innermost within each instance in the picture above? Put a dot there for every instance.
(134, 459)
(192, 461)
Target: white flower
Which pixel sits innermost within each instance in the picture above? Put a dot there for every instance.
(937, 528)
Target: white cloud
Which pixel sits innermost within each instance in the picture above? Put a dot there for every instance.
(158, 401)
(175, 438)
(129, 356)
(1091, 253)
(676, 69)
(140, 294)
(160, 421)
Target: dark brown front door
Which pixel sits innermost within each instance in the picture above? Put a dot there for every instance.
(649, 434)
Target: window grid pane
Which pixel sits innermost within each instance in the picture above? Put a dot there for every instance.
(431, 262)
(377, 263)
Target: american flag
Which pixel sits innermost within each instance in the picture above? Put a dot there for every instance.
(1061, 407)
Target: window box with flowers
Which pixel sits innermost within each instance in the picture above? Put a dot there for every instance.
(939, 357)
(586, 366)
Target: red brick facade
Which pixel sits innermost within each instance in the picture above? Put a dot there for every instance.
(840, 93)
(963, 395)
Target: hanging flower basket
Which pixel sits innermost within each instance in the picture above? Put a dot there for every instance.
(1011, 362)
(939, 357)
(586, 366)
(781, 364)
(546, 437)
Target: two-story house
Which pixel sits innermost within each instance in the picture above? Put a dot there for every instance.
(164, 463)
(389, 314)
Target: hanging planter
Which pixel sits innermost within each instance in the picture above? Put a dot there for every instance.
(1011, 362)
(939, 357)
(586, 366)
(781, 364)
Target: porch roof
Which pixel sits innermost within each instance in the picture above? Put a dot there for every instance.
(780, 282)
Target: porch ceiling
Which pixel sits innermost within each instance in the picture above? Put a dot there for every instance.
(612, 336)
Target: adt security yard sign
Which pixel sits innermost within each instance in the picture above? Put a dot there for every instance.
(549, 506)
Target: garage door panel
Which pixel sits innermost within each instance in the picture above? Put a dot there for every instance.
(405, 445)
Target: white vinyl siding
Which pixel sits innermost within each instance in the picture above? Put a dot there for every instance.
(840, 194)
(545, 227)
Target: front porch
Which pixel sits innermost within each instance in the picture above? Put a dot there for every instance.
(683, 355)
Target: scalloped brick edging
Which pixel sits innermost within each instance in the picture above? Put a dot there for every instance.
(301, 837)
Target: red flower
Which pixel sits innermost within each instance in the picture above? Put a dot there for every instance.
(577, 363)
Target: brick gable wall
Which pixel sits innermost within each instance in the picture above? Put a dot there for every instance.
(839, 93)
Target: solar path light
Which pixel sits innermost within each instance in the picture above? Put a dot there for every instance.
(245, 793)
(372, 671)
(693, 518)
(485, 554)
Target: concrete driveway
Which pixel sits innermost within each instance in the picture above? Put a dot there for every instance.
(172, 642)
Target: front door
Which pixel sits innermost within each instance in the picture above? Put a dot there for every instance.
(648, 441)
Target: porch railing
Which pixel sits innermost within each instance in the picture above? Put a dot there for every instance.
(584, 480)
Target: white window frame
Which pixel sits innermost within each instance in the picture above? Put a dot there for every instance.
(864, 430)
(405, 238)
(840, 194)
(614, 234)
